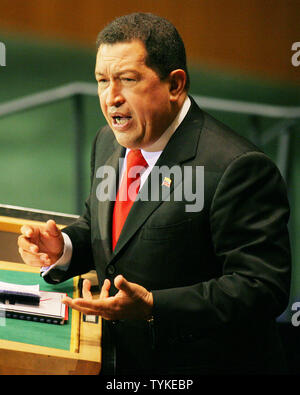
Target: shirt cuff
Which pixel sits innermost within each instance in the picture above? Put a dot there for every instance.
(63, 262)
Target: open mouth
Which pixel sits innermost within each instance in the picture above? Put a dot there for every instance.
(120, 120)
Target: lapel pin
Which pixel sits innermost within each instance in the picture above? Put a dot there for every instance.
(167, 182)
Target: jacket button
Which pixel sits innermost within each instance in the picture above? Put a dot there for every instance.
(111, 269)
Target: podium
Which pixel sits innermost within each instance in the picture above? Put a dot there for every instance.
(33, 348)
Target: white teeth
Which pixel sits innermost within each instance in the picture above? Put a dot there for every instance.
(121, 121)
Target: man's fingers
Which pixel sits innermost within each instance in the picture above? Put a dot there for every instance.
(30, 253)
(34, 259)
(123, 285)
(86, 286)
(27, 231)
(83, 305)
(25, 244)
(29, 260)
(105, 289)
(50, 229)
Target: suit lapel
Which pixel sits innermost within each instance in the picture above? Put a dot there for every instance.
(181, 147)
(105, 208)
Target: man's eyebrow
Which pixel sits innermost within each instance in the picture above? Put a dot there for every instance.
(127, 71)
(98, 73)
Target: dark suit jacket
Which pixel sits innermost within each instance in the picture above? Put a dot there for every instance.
(219, 276)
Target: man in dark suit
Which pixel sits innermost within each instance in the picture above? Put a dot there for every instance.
(195, 268)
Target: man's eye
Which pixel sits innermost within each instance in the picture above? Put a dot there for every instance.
(128, 80)
(103, 81)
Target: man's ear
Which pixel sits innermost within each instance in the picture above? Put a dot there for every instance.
(177, 79)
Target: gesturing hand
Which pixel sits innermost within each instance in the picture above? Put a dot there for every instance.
(41, 245)
(132, 301)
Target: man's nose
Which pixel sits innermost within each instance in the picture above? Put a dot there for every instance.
(114, 96)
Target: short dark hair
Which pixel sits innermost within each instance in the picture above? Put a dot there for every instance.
(164, 46)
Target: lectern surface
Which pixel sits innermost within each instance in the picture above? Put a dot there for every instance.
(28, 347)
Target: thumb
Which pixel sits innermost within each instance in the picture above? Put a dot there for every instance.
(123, 285)
(52, 229)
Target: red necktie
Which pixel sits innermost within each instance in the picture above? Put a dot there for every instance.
(127, 192)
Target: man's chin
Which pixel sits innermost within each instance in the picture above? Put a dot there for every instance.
(127, 141)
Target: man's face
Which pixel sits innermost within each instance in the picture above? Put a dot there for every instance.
(133, 99)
